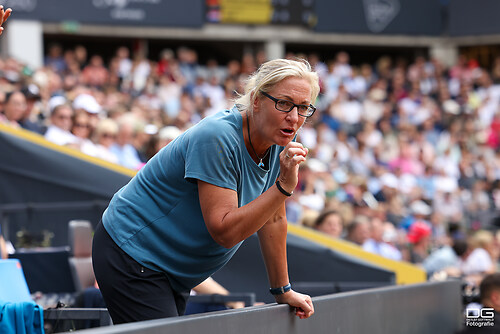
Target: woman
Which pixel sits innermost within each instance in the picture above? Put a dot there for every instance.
(105, 136)
(186, 212)
(14, 108)
(81, 129)
(330, 222)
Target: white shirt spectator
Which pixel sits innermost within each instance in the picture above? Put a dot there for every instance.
(383, 249)
(60, 136)
(479, 261)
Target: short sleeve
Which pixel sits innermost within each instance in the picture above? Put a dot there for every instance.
(211, 157)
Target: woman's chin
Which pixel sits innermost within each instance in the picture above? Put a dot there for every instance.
(283, 141)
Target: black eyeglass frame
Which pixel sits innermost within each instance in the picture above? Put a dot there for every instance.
(276, 100)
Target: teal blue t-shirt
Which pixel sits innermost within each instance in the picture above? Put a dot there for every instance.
(156, 218)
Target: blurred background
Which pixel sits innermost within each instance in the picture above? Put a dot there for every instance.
(404, 148)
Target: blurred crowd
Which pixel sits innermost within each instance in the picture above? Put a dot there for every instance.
(404, 154)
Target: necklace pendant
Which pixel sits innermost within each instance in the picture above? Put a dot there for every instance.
(261, 164)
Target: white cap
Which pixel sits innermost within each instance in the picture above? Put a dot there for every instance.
(419, 207)
(169, 133)
(56, 101)
(389, 180)
(150, 129)
(88, 103)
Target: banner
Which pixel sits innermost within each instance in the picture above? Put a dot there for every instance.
(391, 17)
(185, 13)
(280, 12)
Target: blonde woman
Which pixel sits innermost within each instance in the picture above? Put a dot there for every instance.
(186, 212)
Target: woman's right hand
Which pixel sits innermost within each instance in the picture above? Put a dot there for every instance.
(292, 155)
(4, 15)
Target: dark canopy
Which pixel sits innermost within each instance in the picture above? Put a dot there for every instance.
(40, 173)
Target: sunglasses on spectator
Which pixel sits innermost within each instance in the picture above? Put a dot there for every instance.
(108, 135)
(82, 125)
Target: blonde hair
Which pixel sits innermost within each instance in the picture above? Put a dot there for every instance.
(482, 239)
(271, 73)
(106, 125)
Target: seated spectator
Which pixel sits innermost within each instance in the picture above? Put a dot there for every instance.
(105, 136)
(166, 135)
(14, 108)
(330, 222)
(419, 241)
(483, 256)
(59, 130)
(447, 258)
(30, 120)
(123, 148)
(88, 103)
(81, 129)
(376, 244)
(357, 231)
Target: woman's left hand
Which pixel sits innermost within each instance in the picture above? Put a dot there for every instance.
(302, 303)
(4, 15)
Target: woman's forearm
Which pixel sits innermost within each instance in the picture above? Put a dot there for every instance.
(229, 224)
(272, 238)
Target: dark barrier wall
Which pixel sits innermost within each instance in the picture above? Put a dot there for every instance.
(474, 17)
(185, 13)
(313, 269)
(33, 170)
(413, 309)
(408, 17)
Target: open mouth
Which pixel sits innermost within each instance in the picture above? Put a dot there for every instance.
(288, 131)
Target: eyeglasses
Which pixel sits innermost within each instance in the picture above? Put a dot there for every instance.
(81, 125)
(108, 135)
(287, 106)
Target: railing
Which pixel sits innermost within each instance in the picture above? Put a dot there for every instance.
(412, 309)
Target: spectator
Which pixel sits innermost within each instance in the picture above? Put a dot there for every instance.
(31, 118)
(88, 103)
(105, 136)
(166, 135)
(419, 242)
(483, 256)
(14, 109)
(81, 130)
(357, 231)
(123, 148)
(59, 130)
(376, 244)
(95, 74)
(447, 258)
(55, 60)
(330, 222)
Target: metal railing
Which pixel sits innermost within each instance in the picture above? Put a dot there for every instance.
(411, 309)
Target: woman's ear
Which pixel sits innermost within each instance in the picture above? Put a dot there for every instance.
(256, 102)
